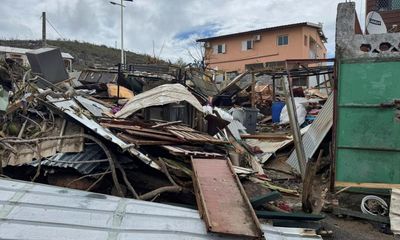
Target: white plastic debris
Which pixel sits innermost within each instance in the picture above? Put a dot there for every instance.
(300, 109)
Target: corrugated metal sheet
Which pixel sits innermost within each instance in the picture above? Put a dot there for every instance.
(315, 134)
(158, 96)
(71, 160)
(34, 211)
(269, 148)
(93, 107)
(394, 213)
(71, 108)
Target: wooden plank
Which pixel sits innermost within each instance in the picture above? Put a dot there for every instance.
(290, 216)
(280, 137)
(347, 212)
(260, 200)
(153, 136)
(366, 185)
(142, 142)
(221, 199)
(160, 125)
(136, 128)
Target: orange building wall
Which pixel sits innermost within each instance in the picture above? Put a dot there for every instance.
(265, 50)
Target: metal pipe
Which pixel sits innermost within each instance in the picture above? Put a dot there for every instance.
(122, 34)
(290, 105)
(43, 29)
(253, 90)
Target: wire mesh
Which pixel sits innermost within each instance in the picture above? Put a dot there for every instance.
(387, 5)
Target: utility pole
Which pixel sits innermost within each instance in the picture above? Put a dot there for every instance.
(44, 29)
(122, 34)
(123, 58)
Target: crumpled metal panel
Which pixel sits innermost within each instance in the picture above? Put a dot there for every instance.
(315, 134)
(161, 95)
(269, 148)
(71, 108)
(35, 211)
(71, 160)
(93, 107)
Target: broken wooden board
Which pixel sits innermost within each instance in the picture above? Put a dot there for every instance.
(221, 199)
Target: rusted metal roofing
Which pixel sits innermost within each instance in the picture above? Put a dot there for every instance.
(315, 134)
(33, 211)
(189, 134)
(221, 199)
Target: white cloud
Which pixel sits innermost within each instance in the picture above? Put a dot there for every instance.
(161, 21)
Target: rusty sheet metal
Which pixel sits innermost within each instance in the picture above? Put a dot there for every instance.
(142, 142)
(221, 199)
(189, 134)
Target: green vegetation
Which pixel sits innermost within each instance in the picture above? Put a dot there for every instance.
(86, 54)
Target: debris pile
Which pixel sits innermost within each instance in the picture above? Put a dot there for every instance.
(255, 149)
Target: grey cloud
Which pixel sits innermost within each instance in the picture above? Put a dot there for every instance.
(159, 20)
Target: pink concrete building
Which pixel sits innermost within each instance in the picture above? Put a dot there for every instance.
(232, 52)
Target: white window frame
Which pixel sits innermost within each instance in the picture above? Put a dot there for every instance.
(216, 48)
(283, 43)
(245, 46)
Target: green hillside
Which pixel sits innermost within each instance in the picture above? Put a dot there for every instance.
(85, 54)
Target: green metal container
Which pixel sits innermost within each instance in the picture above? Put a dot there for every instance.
(368, 122)
(367, 106)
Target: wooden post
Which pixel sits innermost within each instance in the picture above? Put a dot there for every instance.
(273, 89)
(43, 29)
(294, 125)
(253, 90)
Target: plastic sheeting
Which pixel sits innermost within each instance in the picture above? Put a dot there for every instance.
(300, 109)
(235, 127)
(161, 95)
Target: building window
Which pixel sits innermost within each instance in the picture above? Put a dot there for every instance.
(283, 40)
(220, 48)
(305, 40)
(247, 45)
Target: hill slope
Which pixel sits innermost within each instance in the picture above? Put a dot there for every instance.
(85, 54)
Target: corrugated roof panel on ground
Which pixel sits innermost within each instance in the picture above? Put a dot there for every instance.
(83, 215)
(316, 133)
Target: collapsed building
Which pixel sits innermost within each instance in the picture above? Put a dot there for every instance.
(255, 157)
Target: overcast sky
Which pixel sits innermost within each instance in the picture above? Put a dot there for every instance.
(170, 25)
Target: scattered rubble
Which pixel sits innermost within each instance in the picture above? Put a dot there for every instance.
(253, 155)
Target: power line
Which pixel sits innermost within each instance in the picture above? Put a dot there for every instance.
(47, 20)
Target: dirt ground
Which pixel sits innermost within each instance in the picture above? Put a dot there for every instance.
(354, 229)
